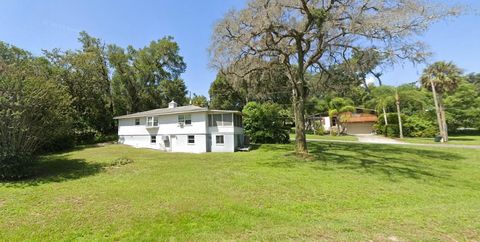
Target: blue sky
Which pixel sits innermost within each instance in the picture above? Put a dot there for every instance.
(47, 24)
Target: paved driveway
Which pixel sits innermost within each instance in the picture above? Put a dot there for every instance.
(375, 139)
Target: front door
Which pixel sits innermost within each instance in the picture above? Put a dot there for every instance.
(209, 143)
(173, 139)
(166, 141)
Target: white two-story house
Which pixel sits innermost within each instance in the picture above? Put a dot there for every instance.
(183, 129)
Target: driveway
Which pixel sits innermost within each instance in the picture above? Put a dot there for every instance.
(375, 139)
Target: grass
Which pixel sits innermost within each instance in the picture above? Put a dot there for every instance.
(329, 137)
(452, 139)
(341, 192)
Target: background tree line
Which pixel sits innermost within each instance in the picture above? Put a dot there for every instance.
(62, 98)
(408, 110)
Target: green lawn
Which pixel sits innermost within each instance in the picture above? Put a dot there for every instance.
(342, 192)
(329, 137)
(452, 139)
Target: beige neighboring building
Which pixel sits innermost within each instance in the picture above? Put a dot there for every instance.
(360, 123)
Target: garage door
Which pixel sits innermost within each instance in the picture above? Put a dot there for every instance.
(359, 128)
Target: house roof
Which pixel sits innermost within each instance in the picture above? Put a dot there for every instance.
(176, 110)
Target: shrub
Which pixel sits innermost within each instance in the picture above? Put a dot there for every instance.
(266, 123)
(85, 137)
(101, 138)
(15, 164)
(417, 125)
(318, 128)
(390, 130)
(58, 143)
(33, 111)
(121, 161)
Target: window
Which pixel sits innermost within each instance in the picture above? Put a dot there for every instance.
(137, 121)
(237, 120)
(185, 119)
(153, 139)
(210, 121)
(239, 140)
(227, 119)
(219, 139)
(191, 139)
(152, 121)
(215, 120)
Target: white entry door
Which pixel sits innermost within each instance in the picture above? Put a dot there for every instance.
(173, 140)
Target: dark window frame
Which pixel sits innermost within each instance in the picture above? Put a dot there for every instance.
(191, 141)
(185, 119)
(153, 123)
(222, 139)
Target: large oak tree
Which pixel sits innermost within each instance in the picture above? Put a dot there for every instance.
(311, 35)
(148, 77)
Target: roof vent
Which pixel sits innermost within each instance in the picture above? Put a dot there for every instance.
(172, 104)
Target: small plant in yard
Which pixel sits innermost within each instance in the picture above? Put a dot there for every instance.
(318, 128)
(121, 161)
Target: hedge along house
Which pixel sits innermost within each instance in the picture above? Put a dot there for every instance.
(190, 129)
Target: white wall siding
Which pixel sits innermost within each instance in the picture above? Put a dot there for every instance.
(180, 143)
(168, 126)
(326, 123)
(228, 143)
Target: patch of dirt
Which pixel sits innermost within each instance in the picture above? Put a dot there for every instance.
(393, 238)
(105, 144)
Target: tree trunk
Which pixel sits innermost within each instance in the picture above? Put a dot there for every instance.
(386, 120)
(439, 115)
(331, 125)
(299, 113)
(400, 126)
(385, 116)
(444, 118)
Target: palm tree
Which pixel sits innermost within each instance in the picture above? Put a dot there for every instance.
(407, 93)
(441, 77)
(383, 97)
(341, 109)
(399, 115)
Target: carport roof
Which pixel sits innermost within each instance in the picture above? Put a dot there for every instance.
(362, 118)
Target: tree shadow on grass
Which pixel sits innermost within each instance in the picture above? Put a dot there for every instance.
(393, 162)
(460, 139)
(57, 168)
